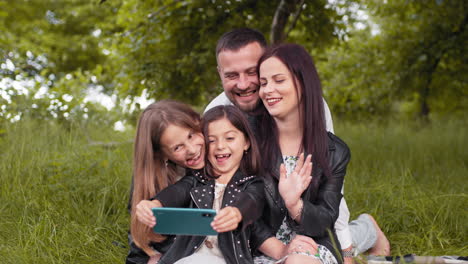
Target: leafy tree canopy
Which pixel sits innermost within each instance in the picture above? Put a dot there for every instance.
(373, 56)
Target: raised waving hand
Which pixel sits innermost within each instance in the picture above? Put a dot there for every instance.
(291, 187)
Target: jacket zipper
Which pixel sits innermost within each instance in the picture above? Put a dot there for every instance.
(195, 201)
(234, 246)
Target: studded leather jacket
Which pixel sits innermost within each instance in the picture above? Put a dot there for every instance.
(197, 191)
(320, 209)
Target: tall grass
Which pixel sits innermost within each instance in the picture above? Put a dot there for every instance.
(412, 178)
(64, 201)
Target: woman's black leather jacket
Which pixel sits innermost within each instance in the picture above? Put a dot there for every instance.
(197, 191)
(320, 210)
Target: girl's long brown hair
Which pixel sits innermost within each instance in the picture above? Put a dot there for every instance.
(150, 172)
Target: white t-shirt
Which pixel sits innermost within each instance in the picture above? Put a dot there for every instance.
(341, 224)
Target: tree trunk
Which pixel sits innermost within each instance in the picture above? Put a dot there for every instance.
(425, 110)
(283, 11)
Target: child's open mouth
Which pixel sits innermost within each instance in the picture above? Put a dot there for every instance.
(195, 160)
(222, 157)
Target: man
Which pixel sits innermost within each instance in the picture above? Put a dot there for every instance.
(237, 54)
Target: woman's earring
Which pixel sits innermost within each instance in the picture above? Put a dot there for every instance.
(246, 151)
(166, 162)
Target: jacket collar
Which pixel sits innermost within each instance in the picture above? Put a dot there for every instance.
(203, 195)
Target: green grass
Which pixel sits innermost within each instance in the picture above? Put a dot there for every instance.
(412, 179)
(64, 201)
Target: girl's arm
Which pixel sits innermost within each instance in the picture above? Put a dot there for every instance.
(273, 248)
(244, 211)
(251, 202)
(144, 213)
(175, 195)
(260, 233)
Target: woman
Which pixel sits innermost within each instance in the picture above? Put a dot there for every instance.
(290, 123)
(168, 134)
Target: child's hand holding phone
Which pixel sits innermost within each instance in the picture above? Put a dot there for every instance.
(227, 219)
(145, 214)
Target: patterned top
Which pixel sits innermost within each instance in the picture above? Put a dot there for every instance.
(210, 245)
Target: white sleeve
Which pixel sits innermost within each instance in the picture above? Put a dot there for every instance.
(342, 227)
(221, 99)
(341, 224)
(328, 117)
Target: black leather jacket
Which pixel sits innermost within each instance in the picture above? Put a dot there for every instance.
(319, 213)
(197, 191)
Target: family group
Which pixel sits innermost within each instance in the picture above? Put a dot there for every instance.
(263, 155)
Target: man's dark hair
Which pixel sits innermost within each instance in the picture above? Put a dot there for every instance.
(239, 38)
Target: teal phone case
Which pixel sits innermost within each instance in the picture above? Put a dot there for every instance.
(184, 221)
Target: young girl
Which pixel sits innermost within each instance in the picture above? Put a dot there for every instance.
(228, 184)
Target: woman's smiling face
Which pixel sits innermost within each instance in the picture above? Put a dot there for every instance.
(277, 88)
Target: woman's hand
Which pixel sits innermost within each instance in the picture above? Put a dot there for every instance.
(226, 219)
(302, 244)
(292, 187)
(145, 214)
(154, 259)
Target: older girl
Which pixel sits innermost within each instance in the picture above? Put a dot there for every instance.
(168, 139)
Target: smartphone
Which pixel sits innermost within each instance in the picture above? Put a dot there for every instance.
(184, 221)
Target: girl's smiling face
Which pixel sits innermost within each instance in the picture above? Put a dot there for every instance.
(226, 147)
(183, 146)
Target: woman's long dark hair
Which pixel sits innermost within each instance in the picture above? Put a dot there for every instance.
(250, 163)
(307, 84)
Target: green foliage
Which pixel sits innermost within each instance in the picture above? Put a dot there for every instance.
(123, 48)
(53, 51)
(409, 58)
(59, 30)
(170, 45)
(411, 53)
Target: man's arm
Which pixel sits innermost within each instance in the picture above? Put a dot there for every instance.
(341, 224)
(328, 117)
(342, 227)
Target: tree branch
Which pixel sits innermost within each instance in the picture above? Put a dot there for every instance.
(295, 18)
(282, 13)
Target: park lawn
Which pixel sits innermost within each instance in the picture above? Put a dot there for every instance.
(64, 201)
